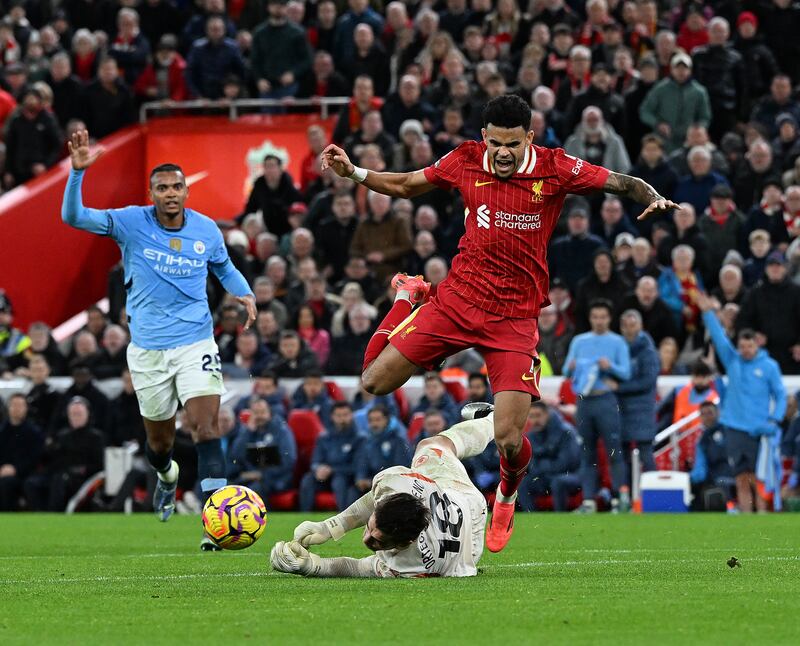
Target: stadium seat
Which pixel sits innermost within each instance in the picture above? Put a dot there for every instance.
(334, 391)
(325, 501)
(284, 501)
(457, 390)
(305, 426)
(415, 426)
(403, 409)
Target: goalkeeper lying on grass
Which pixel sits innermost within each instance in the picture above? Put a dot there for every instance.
(428, 520)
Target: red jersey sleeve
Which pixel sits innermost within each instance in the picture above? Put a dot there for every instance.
(446, 172)
(577, 175)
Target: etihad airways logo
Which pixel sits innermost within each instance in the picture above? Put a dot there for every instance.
(168, 263)
(505, 220)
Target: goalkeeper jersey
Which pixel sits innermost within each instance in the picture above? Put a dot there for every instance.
(452, 543)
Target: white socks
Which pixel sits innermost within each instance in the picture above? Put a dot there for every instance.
(472, 436)
(170, 475)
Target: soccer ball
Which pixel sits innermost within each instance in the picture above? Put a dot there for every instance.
(234, 517)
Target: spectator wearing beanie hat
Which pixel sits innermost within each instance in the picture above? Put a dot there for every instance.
(757, 59)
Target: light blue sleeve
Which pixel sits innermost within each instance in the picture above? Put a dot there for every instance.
(230, 277)
(778, 392)
(722, 344)
(621, 362)
(103, 222)
(75, 214)
(700, 469)
(570, 356)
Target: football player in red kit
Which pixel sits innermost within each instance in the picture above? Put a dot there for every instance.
(513, 192)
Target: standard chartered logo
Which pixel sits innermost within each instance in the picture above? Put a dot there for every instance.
(483, 216)
(505, 220)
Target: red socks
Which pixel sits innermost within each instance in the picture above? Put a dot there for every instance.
(513, 471)
(400, 310)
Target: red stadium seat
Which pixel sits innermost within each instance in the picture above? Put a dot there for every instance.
(284, 501)
(457, 390)
(334, 391)
(325, 501)
(306, 426)
(415, 426)
(403, 409)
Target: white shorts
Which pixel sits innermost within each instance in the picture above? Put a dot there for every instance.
(449, 473)
(161, 378)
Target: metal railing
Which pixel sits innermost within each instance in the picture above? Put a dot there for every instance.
(674, 433)
(234, 107)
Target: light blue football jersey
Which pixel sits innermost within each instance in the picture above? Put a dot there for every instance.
(165, 269)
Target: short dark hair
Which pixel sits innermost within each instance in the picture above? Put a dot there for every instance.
(314, 373)
(402, 517)
(478, 375)
(432, 375)
(166, 168)
(269, 374)
(707, 403)
(380, 408)
(269, 156)
(653, 138)
(18, 396)
(341, 404)
(603, 303)
(507, 111)
(747, 334)
(540, 404)
(700, 369)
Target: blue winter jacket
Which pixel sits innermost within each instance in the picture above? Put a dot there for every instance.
(338, 449)
(637, 395)
(381, 451)
(755, 400)
(275, 433)
(556, 449)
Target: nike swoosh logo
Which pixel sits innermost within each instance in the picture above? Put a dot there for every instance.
(477, 183)
(193, 179)
(528, 377)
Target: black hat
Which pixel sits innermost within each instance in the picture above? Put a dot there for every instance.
(722, 190)
(558, 283)
(168, 41)
(776, 258)
(601, 67)
(612, 26)
(560, 29)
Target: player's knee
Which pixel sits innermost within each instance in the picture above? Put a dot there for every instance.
(507, 437)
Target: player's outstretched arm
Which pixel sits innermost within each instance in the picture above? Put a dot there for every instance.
(356, 515)
(73, 212)
(293, 558)
(392, 184)
(640, 191)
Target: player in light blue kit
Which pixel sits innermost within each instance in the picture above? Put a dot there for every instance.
(167, 251)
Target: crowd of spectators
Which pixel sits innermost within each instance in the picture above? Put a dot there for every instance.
(697, 99)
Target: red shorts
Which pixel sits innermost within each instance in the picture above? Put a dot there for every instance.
(447, 324)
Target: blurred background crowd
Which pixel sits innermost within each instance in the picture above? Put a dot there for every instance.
(698, 99)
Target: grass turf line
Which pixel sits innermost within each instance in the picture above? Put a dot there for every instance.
(113, 579)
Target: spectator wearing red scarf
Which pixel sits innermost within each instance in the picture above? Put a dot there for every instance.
(363, 101)
(164, 78)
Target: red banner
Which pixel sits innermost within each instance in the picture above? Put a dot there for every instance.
(51, 271)
(222, 158)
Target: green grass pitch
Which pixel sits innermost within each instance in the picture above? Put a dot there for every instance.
(109, 579)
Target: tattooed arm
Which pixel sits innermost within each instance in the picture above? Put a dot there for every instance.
(640, 191)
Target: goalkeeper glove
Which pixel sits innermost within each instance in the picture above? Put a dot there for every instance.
(293, 558)
(309, 533)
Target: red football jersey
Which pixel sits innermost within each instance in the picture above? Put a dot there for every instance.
(502, 261)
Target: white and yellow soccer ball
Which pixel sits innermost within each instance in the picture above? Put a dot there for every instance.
(234, 517)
